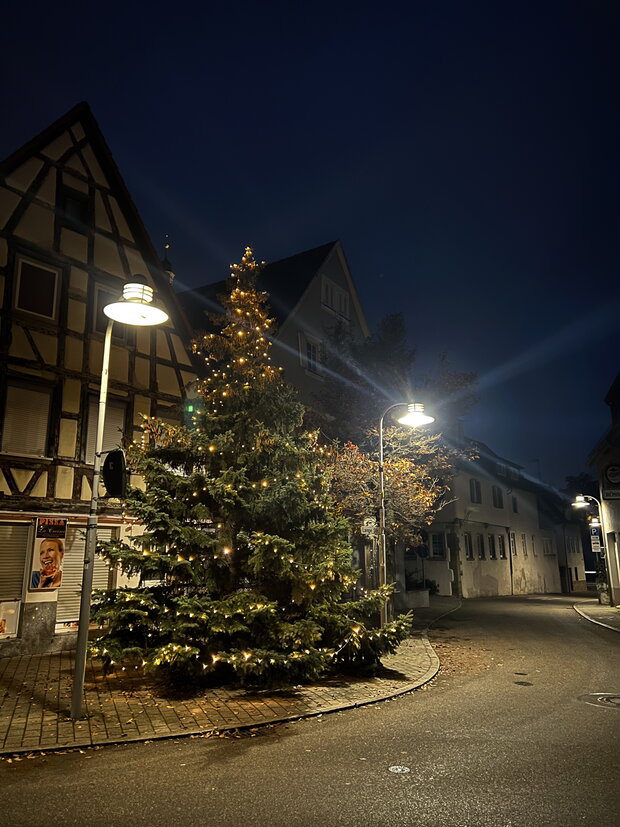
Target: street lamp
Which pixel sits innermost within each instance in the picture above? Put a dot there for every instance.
(135, 307)
(581, 501)
(414, 417)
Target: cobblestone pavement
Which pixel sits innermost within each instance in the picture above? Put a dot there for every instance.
(35, 697)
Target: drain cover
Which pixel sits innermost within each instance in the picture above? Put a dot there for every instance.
(607, 699)
(399, 769)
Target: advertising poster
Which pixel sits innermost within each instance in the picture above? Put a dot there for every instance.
(48, 553)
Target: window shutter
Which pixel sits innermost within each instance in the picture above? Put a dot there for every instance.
(13, 554)
(112, 430)
(26, 421)
(68, 609)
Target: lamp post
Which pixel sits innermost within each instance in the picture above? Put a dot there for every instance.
(581, 501)
(414, 417)
(135, 307)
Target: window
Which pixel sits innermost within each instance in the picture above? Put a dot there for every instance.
(75, 210)
(26, 421)
(534, 552)
(501, 470)
(168, 414)
(524, 544)
(310, 354)
(513, 544)
(547, 546)
(104, 296)
(498, 497)
(515, 505)
(112, 431)
(492, 549)
(480, 546)
(438, 546)
(475, 493)
(312, 357)
(335, 298)
(13, 554)
(37, 288)
(501, 544)
(469, 549)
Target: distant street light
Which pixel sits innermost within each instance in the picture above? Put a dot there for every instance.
(581, 501)
(414, 417)
(135, 307)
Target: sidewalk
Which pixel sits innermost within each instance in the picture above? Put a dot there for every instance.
(591, 609)
(35, 696)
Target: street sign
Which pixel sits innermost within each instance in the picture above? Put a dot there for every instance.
(595, 539)
(611, 483)
(369, 526)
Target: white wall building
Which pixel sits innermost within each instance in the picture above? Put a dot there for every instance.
(501, 534)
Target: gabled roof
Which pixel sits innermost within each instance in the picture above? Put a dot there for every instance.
(285, 281)
(81, 114)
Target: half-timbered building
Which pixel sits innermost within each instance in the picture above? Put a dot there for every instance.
(70, 237)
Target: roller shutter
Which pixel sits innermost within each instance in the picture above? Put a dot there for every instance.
(68, 609)
(13, 555)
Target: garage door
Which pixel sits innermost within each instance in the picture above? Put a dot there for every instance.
(13, 553)
(68, 609)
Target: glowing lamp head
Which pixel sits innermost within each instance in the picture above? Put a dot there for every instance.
(136, 307)
(415, 416)
(580, 502)
(594, 521)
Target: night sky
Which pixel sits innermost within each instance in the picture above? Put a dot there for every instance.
(465, 153)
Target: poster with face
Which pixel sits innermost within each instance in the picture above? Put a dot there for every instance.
(48, 553)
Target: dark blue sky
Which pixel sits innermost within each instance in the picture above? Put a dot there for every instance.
(466, 155)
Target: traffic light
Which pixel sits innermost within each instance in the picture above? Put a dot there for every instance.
(114, 474)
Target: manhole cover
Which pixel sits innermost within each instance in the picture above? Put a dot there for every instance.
(399, 769)
(606, 699)
(524, 683)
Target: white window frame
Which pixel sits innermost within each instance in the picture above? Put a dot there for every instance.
(501, 547)
(335, 298)
(492, 547)
(513, 544)
(480, 548)
(548, 546)
(34, 263)
(305, 341)
(524, 544)
(441, 543)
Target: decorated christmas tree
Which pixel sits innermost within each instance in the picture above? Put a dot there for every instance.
(244, 565)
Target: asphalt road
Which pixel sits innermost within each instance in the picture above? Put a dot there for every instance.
(502, 738)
